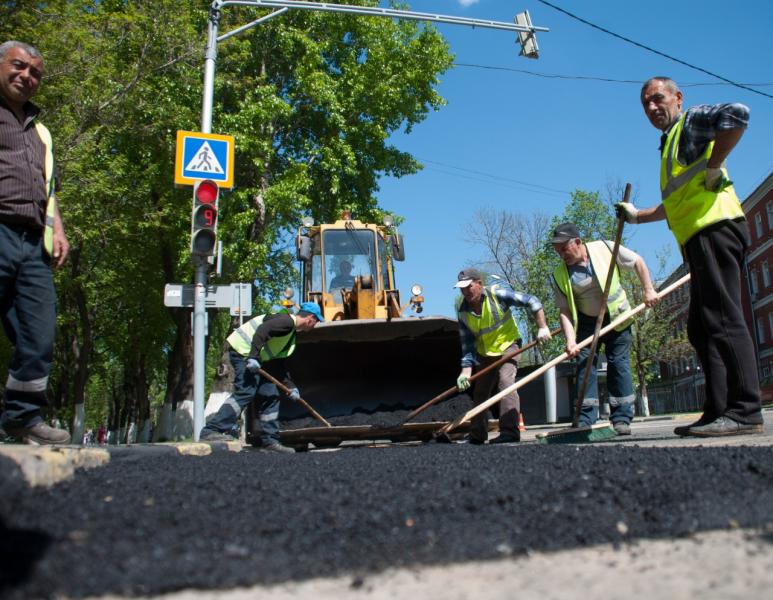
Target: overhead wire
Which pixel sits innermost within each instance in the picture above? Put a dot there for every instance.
(484, 177)
(658, 52)
(590, 77)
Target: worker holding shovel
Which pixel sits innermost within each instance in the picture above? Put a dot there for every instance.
(488, 331)
(579, 283)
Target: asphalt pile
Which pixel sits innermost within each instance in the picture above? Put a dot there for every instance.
(447, 410)
(225, 520)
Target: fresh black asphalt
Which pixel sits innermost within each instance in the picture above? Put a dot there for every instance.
(165, 523)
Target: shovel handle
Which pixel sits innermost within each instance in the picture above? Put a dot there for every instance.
(450, 391)
(602, 313)
(301, 401)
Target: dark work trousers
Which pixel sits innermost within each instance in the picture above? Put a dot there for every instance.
(617, 348)
(28, 314)
(716, 326)
(492, 383)
(248, 387)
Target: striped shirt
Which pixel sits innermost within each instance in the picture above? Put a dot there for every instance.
(22, 168)
(701, 125)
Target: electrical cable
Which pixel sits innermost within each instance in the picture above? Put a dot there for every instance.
(658, 52)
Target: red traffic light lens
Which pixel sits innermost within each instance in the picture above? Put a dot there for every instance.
(206, 192)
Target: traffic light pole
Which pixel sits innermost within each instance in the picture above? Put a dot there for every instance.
(526, 38)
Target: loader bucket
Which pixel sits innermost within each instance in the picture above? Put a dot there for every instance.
(373, 365)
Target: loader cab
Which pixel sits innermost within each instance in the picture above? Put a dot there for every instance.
(347, 269)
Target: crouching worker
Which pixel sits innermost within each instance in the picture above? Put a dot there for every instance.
(488, 331)
(261, 343)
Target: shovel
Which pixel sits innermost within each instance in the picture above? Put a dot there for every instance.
(602, 312)
(301, 401)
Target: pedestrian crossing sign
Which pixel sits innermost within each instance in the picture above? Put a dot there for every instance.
(204, 156)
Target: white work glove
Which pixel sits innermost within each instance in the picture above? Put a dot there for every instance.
(462, 382)
(252, 365)
(628, 211)
(715, 179)
(295, 394)
(543, 335)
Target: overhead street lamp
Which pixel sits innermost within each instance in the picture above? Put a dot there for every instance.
(526, 38)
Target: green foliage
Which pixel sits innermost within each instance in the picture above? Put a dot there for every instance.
(311, 98)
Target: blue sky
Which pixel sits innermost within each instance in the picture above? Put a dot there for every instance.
(565, 134)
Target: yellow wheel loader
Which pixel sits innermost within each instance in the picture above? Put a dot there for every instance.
(367, 356)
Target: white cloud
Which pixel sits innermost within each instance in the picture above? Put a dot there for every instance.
(468, 2)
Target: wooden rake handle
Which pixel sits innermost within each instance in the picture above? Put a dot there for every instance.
(286, 390)
(534, 374)
(602, 312)
(450, 391)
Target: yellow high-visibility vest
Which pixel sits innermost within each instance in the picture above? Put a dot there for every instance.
(600, 256)
(276, 347)
(689, 206)
(495, 330)
(48, 230)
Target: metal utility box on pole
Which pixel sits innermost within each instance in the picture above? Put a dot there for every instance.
(201, 263)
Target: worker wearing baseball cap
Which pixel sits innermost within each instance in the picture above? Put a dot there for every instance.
(488, 330)
(579, 287)
(263, 342)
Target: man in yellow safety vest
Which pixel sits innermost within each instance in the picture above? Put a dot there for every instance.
(32, 239)
(261, 343)
(708, 222)
(579, 283)
(488, 331)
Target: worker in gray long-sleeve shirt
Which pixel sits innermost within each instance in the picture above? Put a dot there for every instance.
(488, 331)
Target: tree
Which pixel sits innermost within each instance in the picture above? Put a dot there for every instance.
(312, 100)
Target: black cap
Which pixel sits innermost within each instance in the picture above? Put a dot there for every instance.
(467, 276)
(564, 232)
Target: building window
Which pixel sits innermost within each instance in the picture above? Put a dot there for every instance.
(753, 281)
(760, 330)
(758, 224)
(769, 208)
(765, 274)
(770, 323)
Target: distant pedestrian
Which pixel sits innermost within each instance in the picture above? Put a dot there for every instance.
(102, 435)
(708, 222)
(31, 239)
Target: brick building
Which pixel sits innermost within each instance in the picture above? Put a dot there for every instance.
(758, 292)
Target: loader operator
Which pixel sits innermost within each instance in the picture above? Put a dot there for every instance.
(708, 222)
(579, 286)
(344, 278)
(488, 330)
(261, 343)
(32, 241)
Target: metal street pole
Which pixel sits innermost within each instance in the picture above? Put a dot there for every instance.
(201, 264)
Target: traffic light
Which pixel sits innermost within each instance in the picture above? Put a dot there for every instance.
(204, 218)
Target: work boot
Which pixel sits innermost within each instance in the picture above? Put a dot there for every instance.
(724, 426)
(683, 430)
(277, 447)
(209, 435)
(468, 439)
(504, 438)
(621, 428)
(38, 434)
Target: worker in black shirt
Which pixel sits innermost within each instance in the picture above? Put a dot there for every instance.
(263, 342)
